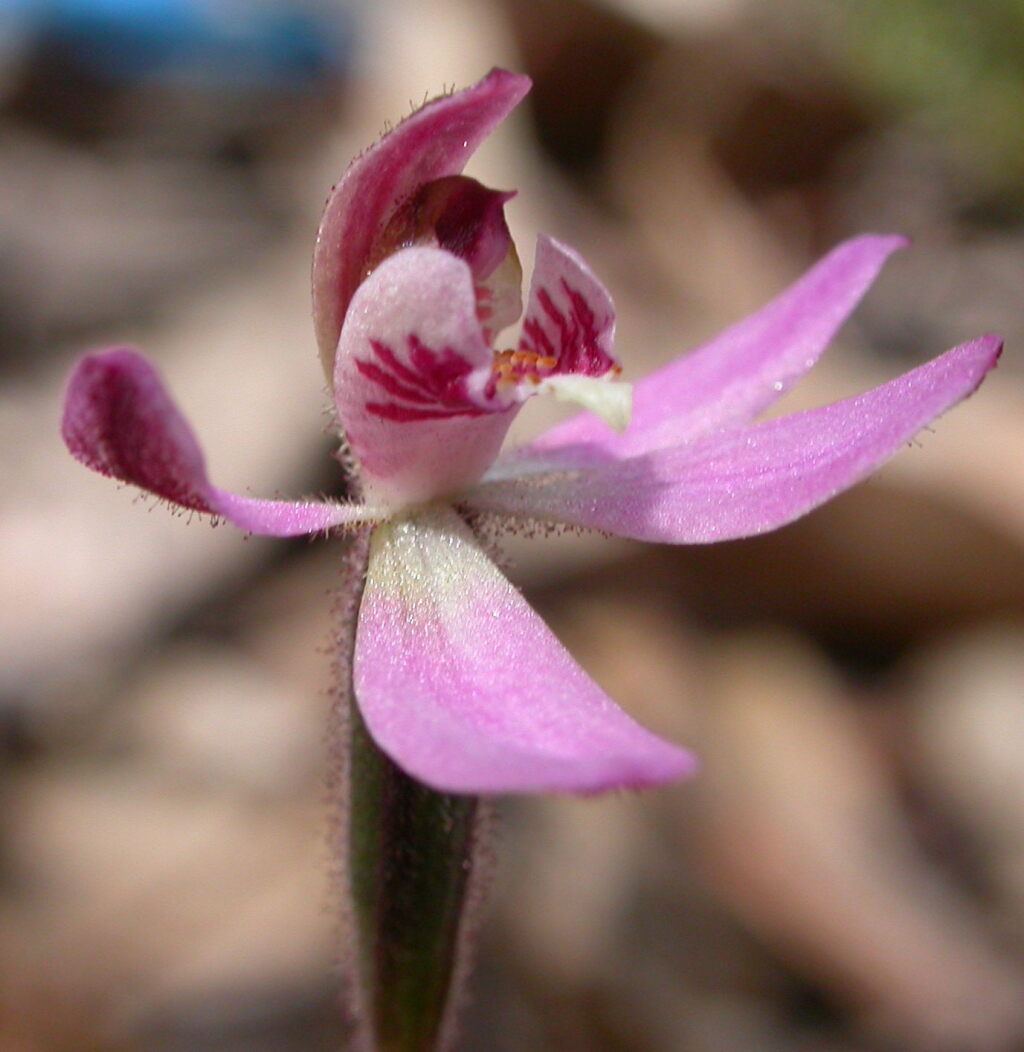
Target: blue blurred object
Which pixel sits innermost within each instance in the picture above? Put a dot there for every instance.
(243, 44)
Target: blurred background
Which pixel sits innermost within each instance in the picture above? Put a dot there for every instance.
(847, 874)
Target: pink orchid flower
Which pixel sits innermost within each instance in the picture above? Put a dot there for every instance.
(414, 275)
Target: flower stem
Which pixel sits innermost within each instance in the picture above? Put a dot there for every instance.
(412, 866)
(411, 852)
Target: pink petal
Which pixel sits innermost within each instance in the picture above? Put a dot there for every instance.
(435, 141)
(463, 217)
(465, 687)
(413, 380)
(745, 481)
(743, 370)
(570, 317)
(120, 421)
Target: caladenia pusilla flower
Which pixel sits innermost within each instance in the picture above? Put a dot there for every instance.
(458, 690)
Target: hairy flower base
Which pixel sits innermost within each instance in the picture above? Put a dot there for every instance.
(458, 681)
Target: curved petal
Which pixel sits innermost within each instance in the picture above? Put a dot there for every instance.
(745, 481)
(743, 370)
(120, 421)
(465, 688)
(566, 347)
(414, 382)
(435, 141)
(570, 317)
(463, 217)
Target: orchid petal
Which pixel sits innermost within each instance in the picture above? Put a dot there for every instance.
(119, 420)
(463, 217)
(414, 380)
(744, 369)
(566, 346)
(435, 141)
(744, 481)
(570, 317)
(466, 689)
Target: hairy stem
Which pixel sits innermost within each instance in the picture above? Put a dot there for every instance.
(411, 858)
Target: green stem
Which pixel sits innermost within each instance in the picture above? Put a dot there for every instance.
(412, 856)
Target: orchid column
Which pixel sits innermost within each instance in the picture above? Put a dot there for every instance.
(451, 687)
